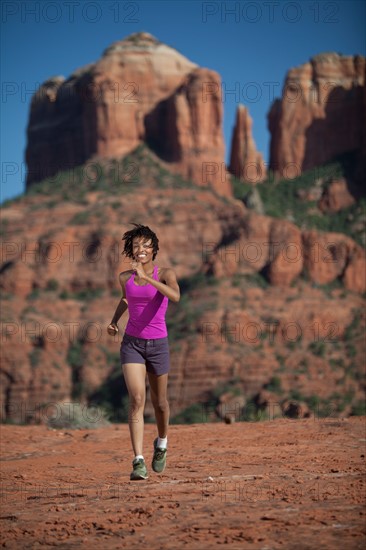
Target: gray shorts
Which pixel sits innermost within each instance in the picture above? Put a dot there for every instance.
(153, 353)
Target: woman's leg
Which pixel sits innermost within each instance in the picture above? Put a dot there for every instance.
(135, 375)
(158, 390)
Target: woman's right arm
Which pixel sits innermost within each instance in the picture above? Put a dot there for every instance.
(112, 328)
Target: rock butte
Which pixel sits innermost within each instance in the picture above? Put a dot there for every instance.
(322, 113)
(142, 90)
(139, 91)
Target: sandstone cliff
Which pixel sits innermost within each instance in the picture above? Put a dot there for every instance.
(140, 90)
(321, 114)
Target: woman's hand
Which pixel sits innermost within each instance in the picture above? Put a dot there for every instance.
(137, 267)
(112, 329)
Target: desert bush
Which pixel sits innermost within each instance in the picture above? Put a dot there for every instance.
(77, 416)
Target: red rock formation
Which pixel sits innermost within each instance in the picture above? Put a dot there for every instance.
(186, 131)
(104, 111)
(263, 243)
(280, 250)
(246, 163)
(336, 196)
(354, 274)
(319, 115)
(60, 247)
(285, 260)
(360, 170)
(328, 256)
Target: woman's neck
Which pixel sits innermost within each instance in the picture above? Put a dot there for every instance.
(148, 268)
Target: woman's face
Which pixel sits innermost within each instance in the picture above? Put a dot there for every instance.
(142, 249)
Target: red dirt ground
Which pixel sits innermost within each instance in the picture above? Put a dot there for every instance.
(266, 485)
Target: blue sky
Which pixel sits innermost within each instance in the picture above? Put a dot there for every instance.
(251, 44)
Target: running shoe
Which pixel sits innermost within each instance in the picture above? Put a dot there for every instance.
(159, 459)
(139, 469)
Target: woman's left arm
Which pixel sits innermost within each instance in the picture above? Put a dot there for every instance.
(170, 288)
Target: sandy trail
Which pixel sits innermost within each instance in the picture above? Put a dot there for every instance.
(266, 485)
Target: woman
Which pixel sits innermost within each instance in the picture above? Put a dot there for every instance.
(146, 289)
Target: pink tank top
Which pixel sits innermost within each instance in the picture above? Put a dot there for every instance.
(147, 307)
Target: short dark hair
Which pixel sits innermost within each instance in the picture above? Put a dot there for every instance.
(139, 231)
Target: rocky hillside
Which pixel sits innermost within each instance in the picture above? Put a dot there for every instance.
(270, 311)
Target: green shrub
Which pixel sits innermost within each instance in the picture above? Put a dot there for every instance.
(86, 294)
(193, 414)
(34, 358)
(229, 387)
(75, 358)
(112, 394)
(52, 284)
(318, 348)
(6, 295)
(256, 280)
(77, 416)
(296, 395)
(198, 280)
(312, 401)
(281, 199)
(75, 355)
(252, 413)
(34, 294)
(351, 350)
(334, 363)
(359, 408)
(80, 218)
(274, 385)
(182, 319)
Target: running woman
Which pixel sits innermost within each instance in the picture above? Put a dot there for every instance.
(146, 289)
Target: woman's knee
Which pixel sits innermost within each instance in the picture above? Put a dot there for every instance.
(161, 405)
(137, 400)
